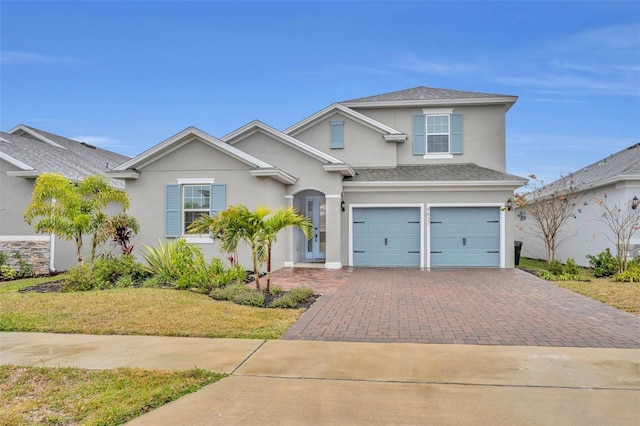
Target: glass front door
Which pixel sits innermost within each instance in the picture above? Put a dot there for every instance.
(317, 212)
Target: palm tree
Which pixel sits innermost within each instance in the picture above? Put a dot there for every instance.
(72, 210)
(236, 223)
(258, 228)
(281, 218)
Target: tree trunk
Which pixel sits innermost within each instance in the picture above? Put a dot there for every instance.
(256, 273)
(268, 289)
(79, 248)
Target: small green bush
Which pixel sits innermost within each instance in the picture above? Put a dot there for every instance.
(631, 275)
(3, 258)
(571, 267)
(604, 264)
(228, 292)
(7, 272)
(124, 281)
(555, 267)
(291, 299)
(276, 290)
(250, 298)
(82, 278)
(111, 269)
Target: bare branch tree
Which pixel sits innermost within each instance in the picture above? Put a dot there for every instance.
(623, 221)
(550, 207)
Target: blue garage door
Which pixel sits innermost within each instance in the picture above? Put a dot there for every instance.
(465, 236)
(386, 236)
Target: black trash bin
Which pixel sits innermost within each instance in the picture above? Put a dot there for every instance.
(518, 248)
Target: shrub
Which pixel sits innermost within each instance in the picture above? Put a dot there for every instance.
(7, 272)
(555, 267)
(250, 298)
(276, 290)
(112, 269)
(632, 274)
(25, 269)
(228, 292)
(604, 264)
(3, 258)
(292, 298)
(82, 278)
(571, 267)
(234, 275)
(124, 281)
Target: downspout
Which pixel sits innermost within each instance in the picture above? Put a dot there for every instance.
(52, 251)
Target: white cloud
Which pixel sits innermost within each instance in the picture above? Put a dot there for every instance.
(99, 141)
(15, 57)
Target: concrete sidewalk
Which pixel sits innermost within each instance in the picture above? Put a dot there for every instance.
(334, 383)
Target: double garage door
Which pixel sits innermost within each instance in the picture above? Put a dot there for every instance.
(459, 236)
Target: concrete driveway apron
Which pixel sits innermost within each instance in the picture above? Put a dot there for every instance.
(457, 306)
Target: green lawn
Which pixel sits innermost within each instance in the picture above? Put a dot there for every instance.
(71, 396)
(146, 311)
(621, 295)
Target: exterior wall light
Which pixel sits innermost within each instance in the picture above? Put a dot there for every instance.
(634, 203)
(509, 204)
(523, 215)
(343, 208)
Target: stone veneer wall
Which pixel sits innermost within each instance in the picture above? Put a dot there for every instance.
(37, 253)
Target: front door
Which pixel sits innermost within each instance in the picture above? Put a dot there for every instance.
(317, 212)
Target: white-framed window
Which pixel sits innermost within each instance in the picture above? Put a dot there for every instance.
(195, 203)
(438, 134)
(189, 199)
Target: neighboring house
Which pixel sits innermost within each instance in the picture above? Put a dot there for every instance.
(617, 176)
(413, 178)
(25, 154)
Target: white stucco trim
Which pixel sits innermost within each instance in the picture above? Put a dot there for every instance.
(388, 205)
(507, 100)
(11, 160)
(198, 239)
(188, 135)
(333, 196)
(437, 111)
(437, 156)
(195, 181)
(256, 125)
(35, 134)
(25, 237)
(503, 226)
(348, 112)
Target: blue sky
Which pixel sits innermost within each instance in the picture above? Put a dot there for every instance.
(128, 75)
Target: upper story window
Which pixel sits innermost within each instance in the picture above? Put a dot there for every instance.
(437, 133)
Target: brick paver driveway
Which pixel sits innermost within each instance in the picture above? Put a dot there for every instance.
(467, 306)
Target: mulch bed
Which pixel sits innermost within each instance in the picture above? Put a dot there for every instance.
(56, 287)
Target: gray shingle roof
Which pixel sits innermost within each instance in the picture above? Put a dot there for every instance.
(467, 172)
(622, 165)
(422, 93)
(75, 160)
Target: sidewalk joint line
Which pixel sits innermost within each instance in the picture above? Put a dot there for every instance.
(247, 357)
(428, 382)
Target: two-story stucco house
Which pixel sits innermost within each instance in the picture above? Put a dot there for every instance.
(413, 178)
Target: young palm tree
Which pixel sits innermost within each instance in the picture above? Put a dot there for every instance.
(236, 223)
(72, 210)
(258, 228)
(281, 218)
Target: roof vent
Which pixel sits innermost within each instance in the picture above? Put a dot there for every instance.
(87, 145)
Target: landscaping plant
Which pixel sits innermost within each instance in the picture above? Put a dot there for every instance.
(604, 264)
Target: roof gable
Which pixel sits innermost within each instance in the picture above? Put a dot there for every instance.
(258, 126)
(354, 115)
(422, 95)
(185, 136)
(36, 152)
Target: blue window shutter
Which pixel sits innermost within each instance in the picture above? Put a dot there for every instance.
(337, 134)
(419, 136)
(218, 198)
(172, 215)
(456, 134)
